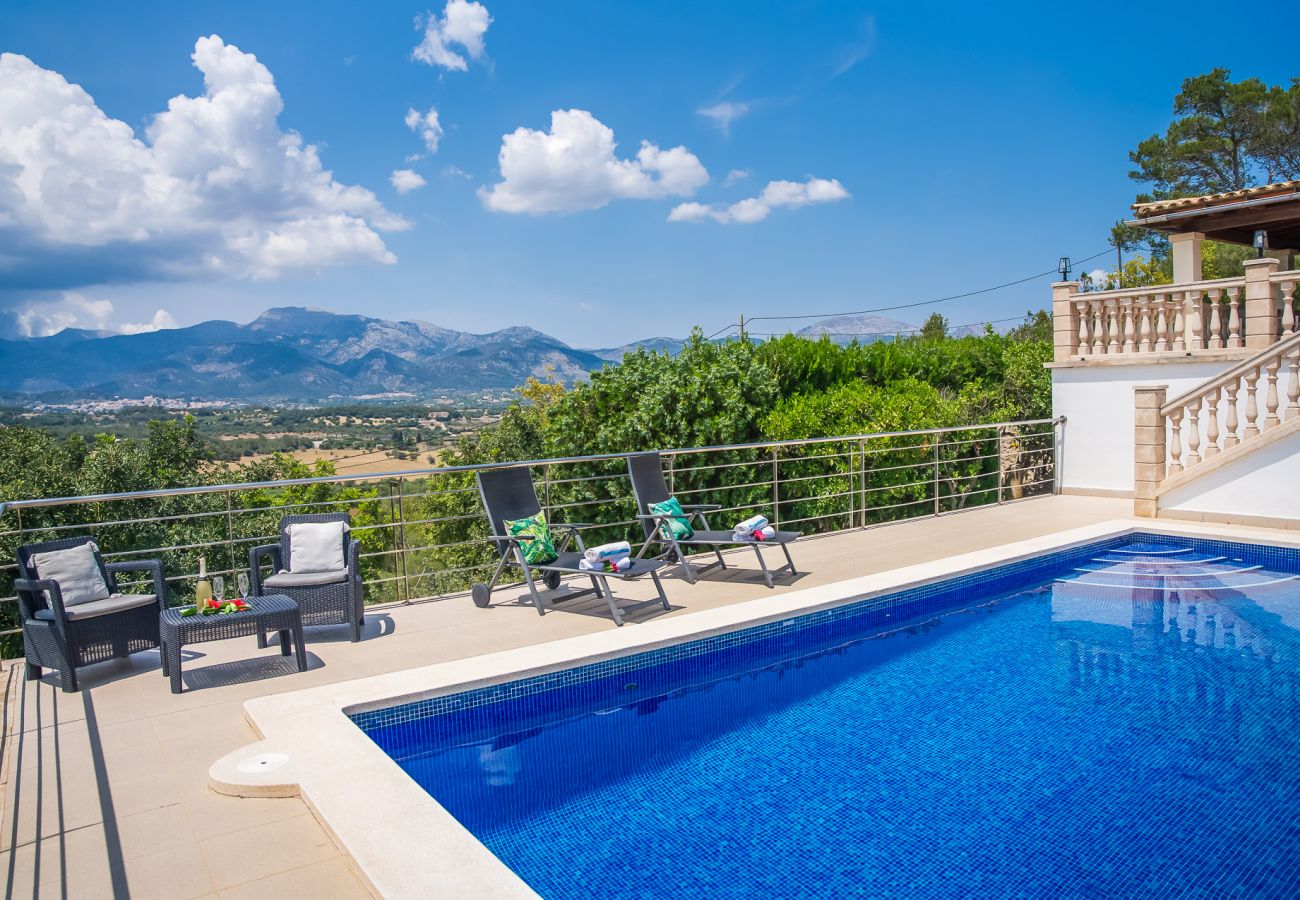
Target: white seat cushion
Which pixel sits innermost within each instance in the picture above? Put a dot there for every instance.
(316, 547)
(111, 604)
(77, 572)
(302, 579)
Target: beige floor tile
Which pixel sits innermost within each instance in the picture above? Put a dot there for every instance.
(332, 879)
(212, 815)
(267, 850)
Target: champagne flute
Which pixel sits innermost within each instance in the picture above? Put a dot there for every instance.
(242, 581)
(218, 587)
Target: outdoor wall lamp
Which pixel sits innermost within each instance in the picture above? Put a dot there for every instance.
(1261, 241)
(1064, 268)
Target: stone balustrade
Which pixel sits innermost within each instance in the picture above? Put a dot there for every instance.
(1181, 320)
(1228, 411)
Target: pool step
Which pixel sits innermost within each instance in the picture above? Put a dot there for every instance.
(1210, 573)
(1075, 582)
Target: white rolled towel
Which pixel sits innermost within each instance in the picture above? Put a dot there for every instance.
(750, 525)
(766, 533)
(620, 564)
(608, 551)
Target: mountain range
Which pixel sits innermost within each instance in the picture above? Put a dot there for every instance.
(307, 355)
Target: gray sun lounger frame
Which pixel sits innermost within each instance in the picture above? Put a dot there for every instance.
(509, 494)
(646, 472)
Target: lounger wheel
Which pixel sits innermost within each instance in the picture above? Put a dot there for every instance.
(482, 594)
(551, 580)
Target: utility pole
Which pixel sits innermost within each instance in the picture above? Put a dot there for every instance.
(742, 326)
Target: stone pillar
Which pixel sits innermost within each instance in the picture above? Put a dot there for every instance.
(1260, 326)
(1065, 320)
(1148, 446)
(1187, 256)
(1286, 259)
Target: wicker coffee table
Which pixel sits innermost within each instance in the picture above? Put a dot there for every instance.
(273, 612)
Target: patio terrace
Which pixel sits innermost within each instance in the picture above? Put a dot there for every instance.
(106, 791)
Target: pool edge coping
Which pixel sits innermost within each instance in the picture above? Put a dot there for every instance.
(358, 792)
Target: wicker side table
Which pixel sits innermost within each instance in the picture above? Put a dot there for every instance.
(273, 612)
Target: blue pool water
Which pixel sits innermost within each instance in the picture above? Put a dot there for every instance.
(1118, 720)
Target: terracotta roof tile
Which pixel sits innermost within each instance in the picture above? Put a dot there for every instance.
(1143, 210)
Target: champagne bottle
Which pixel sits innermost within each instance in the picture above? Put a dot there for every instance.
(202, 590)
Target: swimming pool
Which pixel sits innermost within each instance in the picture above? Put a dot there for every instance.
(1116, 719)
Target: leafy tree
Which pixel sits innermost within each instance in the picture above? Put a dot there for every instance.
(1225, 136)
(935, 328)
(1036, 327)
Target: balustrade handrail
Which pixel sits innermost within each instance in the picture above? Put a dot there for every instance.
(1288, 275)
(1233, 375)
(1120, 293)
(509, 464)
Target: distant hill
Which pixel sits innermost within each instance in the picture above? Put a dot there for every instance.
(863, 328)
(289, 353)
(668, 345)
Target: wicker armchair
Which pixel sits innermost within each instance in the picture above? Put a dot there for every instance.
(335, 600)
(62, 637)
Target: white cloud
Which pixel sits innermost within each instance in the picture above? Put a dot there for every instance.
(214, 188)
(406, 180)
(735, 175)
(755, 209)
(724, 113)
(573, 167)
(426, 125)
(74, 310)
(456, 172)
(462, 23)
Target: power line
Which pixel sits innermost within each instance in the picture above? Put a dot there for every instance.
(987, 290)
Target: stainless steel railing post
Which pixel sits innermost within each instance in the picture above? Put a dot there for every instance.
(936, 475)
(776, 488)
(400, 525)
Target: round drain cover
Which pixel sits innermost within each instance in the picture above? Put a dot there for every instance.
(262, 762)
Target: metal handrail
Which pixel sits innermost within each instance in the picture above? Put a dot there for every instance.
(844, 491)
(478, 467)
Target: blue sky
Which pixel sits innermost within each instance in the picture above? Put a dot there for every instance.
(917, 152)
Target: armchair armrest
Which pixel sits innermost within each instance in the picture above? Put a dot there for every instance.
(51, 589)
(255, 555)
(153, 567)
(702, 507)
(575, 526)
(511, 537)
(354, 558)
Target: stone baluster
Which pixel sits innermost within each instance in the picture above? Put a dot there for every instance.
(1216, 324)
(1193, 432)
(1252, 408)
(1293, 386)
(1230, 418)
(1112, 326)
(1179, 325)
(1098, 328)
(1212, 424)
(1288, 308)
(1144, 324)
(1175, 441)
(1234, 318)
(1085, 345)
(1270, 396)
(1126, 314)
(1162, 322)
(1195, 321)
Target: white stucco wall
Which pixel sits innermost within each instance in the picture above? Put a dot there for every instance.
(1097, 401)
(1263, 483)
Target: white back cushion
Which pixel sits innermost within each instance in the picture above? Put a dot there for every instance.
(316, 546)
(76, 571)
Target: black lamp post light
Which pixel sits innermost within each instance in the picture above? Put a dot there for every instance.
(1064, 268)
(1261, 242)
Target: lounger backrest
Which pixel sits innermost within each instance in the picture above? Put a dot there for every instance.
(507, 494)
(286, 552)
(646, 471)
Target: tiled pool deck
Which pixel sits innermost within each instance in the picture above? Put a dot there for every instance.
(106, 791)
